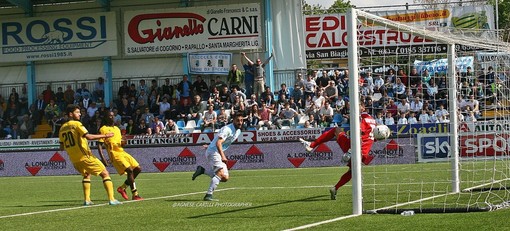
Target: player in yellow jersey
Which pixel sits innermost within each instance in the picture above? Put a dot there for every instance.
(74, 138)
(121, 160)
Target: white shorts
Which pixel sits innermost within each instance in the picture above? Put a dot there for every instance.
(214, 159)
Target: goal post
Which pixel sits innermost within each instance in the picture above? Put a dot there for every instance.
(474, 173)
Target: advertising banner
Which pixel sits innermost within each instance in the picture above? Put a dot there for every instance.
(215, 63)
(193, 29)
(441, 65)
(58, 37)
(185, 158)
(326, 35)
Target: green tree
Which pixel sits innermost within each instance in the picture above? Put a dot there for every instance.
(339, 6)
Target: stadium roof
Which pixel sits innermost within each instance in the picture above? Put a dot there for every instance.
(27, 5)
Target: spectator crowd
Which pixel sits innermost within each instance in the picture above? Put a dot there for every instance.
(317, 99)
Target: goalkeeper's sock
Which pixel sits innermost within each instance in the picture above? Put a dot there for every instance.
(108, 185)
(344, 142)
(215, 180)
(134, 190)
(325, 137)
(346, 177)
(86, 189)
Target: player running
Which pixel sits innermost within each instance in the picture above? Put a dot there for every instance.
(367, 139)
(216, 157)
(73, 138)
(121, 160)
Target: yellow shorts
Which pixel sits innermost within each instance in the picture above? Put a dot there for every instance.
(91, 165)
(123, 161)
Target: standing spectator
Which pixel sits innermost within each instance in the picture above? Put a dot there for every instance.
(154, 87)
(123, 90)
(59, 99)
(23, 100)
(92, 109)
(40, 105)
(259, 73)
(200, 88)
(82, 92)
(248, 77)
(141, 128)
(98, 91)
(184, 88)
(69, 95)
(236, 92)
(300, 81)
(142, 86)
(167, 90)
(235, 77)
(48, 94)
(310, 86)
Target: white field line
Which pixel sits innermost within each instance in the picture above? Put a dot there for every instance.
(154, 198)
(321, 222)
(97, 205)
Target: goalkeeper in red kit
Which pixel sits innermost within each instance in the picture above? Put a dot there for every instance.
(367, 139)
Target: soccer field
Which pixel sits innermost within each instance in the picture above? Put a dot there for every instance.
(273, 199)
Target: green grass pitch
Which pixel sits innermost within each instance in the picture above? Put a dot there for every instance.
(274, 199)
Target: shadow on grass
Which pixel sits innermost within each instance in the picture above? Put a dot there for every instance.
(308, 199)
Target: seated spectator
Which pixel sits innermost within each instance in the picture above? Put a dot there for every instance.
(164, 106)
(197, 108)
(52, 110)
(441, 111)
(142, 128)
(265, 116)
(399, 89)
(283, 91)
(412, 118)
(404, 107)
(424, 117)
(223, 118)
(312, 122)
(26, 127)
(432, 117)
(297, 95)
(157, 127)
(389, 119)
(326, 114)
(253, 116)
(209, 118)
(287, 116)
(331, 92)
(379, 120)
(131, 127)
(416, 105)
(402, 119)
(266, 95)
(470, 117)
(171, 127)
(147, 116)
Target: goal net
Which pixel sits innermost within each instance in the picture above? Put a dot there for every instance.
(443, 88)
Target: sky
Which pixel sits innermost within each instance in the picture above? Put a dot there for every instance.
(362, 3)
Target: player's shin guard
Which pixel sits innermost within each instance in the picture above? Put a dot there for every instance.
(325, 137)
(215, 180)
(86, 189)
(346, 177)
(108, 185)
